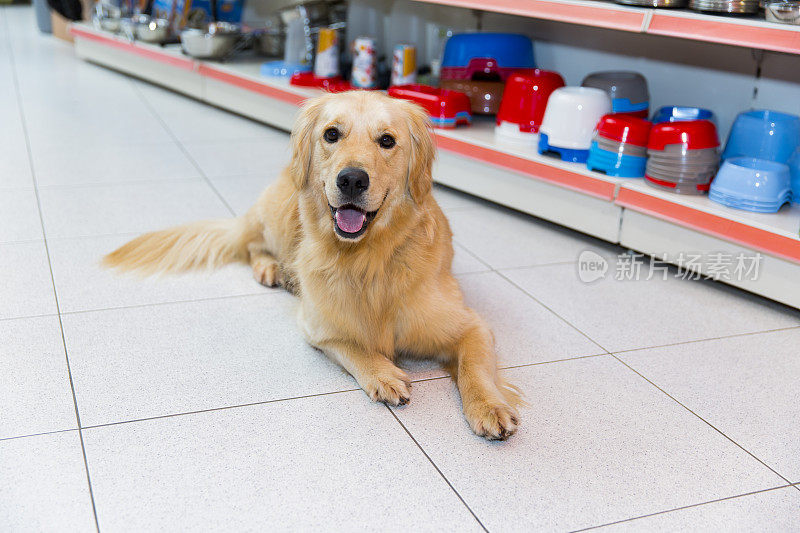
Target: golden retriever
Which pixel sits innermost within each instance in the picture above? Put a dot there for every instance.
(352, 228)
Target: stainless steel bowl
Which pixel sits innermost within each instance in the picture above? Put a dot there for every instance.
(150, 30)
(783, 12)
(215, 41)
(725, 6)
(107, 17)
(269, 43)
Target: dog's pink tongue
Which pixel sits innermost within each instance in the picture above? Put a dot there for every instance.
(350, 220)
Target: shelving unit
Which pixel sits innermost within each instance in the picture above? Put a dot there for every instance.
(625, 211)
(747, 32)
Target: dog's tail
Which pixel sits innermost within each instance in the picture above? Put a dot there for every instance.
(206, 244)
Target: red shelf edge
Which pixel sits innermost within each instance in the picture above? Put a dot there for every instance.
(251, 85)
(725, 32)
(570, 180)
(180, 62)
(716, 226)
(557, 11)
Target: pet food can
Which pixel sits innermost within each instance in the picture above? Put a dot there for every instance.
(364, 63)
(404, 64)
(326, 64)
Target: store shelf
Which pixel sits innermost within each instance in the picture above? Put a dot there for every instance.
(623, 211)
(732, 30)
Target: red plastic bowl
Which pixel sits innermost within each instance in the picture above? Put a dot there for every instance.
(692, 134)
(446, 108)
(624, 128)
(333, 85)
(525, 98)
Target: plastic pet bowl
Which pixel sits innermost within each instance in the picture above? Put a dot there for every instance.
(691, 135)
(752, 184)
(627, 90)
(469, 56)
(763, 134)
(615, 163)
(308, 79)
(569, 121)
(674, 113)
(794, 170)
(446, 108)
(524, 102)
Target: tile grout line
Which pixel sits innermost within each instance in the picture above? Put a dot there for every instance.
(651, 382)
(181, 147)
(43, 433)
(684, 507)
(437, 469)
(50, 266)
(712, 426)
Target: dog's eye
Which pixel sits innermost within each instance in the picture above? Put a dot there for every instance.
(386, 141)
(331, 135)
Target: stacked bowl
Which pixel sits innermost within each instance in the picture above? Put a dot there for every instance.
(752, 184)
(676, 113)
(763, 134)
(748, 7)
(683, 156)
(619, 147)
(523, 104)
(627, 90)
(569, 122)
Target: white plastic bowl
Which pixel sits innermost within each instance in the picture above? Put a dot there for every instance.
(572, 114)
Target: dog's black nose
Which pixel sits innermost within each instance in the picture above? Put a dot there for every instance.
(352, 181)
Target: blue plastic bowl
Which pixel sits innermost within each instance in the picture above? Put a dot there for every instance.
(763, 134)
(676, 113)
(752, 184)
(510, 50)
(794, 170)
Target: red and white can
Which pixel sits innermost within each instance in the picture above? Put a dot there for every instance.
(404, 64)
(364, 73)
(326, 64)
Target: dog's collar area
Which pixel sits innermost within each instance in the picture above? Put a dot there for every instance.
(349, 221)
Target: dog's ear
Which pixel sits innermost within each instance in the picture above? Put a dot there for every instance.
(302, 141)
(423, 152)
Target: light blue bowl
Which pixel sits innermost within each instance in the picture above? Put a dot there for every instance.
(763, 134)
(752, 184)
(794, 170)
(677, 113)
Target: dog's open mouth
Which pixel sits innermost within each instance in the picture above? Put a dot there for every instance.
(350, 221)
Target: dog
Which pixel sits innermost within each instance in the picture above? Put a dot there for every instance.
(351, 227)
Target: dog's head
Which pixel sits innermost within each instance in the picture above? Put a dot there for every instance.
(359, 159)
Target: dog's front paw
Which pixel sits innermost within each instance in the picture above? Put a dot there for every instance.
(392, 387)
(495, 421)
(267, 272)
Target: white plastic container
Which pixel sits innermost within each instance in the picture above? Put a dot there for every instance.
(572, 114)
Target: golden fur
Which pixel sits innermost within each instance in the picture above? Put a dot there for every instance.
(362, 301)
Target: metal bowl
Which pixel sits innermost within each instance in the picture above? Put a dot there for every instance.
(215, 41)
(269, 43)
(151, 30)
(783, 12)
(654, 3)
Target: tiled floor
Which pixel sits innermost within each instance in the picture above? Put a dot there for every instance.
(192, 402)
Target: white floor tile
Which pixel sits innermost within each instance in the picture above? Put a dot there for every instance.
(466, 263)
(19, 216)
(772, 511)
(15, 168)
(525, 332)
(44, 484)
(242, 192)
(27, 289)
(127, 208)
(334, 462)
(622, 315)
(744, 386)
(111, 163)
(506, 239)
(36, 395)
(173, 358)
(266, 157)
(82, 284)
(597, 444)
